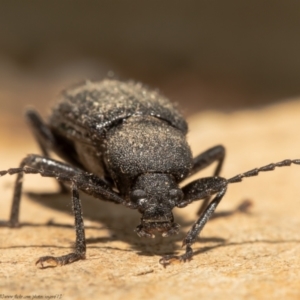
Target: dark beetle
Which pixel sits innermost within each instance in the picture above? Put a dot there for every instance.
(125, 144)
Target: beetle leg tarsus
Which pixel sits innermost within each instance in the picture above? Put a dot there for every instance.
(51, 261)
(169, 259)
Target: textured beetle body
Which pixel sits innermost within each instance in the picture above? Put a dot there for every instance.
(145, 144)
(121, 130)
(126, 144)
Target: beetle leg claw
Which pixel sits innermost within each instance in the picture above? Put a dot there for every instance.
(169, 259)
(51, 261)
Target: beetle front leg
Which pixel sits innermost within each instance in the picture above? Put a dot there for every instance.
(79, 180)
(80, 244)
(199, 189)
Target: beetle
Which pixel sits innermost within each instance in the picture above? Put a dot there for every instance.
(124, 143)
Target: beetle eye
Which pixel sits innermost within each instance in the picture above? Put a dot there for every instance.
(176, 194)
(138, 195)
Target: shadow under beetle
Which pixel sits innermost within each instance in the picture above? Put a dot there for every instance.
(125, 144)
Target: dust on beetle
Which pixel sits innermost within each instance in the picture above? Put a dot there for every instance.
(124, 143)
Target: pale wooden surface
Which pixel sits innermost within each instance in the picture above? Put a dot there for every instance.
(245, 256)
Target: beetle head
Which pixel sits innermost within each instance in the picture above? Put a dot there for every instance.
(156, 195)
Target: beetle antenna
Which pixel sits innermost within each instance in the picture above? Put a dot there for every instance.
(270, 167)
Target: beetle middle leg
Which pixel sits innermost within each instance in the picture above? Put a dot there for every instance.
(79, 180)
(202, 161)
(34, 164)
(46, 140)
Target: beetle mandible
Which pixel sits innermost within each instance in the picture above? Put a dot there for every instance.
(124, 143)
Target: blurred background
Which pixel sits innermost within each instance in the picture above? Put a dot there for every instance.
(222, 55)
